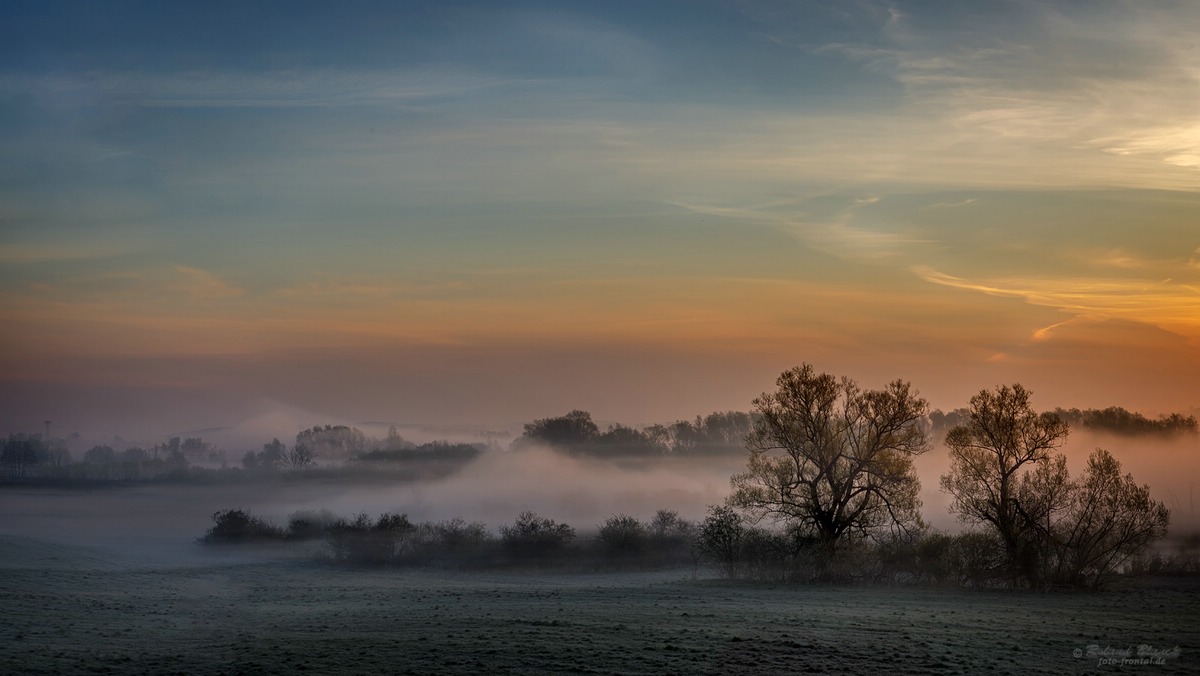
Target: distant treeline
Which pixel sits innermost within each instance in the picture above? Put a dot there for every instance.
(332, 450)
(1113, 420)
(721, 433)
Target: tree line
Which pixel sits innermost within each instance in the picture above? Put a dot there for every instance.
(1112, 420)
(722, 433)
(342, 450)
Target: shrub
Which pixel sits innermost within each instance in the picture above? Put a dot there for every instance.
(720, 539)
(310, 525)
(536, 536)
(623, 536)
(672, 539)
(454, 542)
(234, 526)
(979, 559)
(362, 541)
(765, 555)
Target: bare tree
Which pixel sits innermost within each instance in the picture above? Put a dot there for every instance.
(719, 539)
(829, 460)
(298, 457)
(1053, 530)
(1108, 520)
(992, 461)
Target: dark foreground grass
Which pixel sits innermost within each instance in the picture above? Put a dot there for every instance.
(75, 610)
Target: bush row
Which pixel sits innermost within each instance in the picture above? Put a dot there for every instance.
(393, 539)
(723, 541)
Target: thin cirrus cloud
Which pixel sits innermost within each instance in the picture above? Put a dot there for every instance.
(1167, 304)
(837, 236)
(1055, 86)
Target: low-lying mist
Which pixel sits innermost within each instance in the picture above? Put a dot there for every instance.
(157, 521)
(500, 484)
(160, 520)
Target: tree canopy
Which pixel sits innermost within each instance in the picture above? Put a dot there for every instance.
(831, 460)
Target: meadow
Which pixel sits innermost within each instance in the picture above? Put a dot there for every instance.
(72, 608)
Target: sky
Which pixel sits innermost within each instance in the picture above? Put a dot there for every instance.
(275, 215)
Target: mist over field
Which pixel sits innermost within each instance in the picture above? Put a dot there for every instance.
(501, 483)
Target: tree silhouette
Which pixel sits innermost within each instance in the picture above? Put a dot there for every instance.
(1000, 458)
(1051, 529)
(832, 461)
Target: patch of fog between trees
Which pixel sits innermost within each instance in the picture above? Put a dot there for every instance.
(579, 491)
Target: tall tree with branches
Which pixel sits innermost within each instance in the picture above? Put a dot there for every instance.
(1003, 473)
(831, 461)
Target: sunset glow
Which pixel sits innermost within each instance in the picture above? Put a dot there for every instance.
(490, 212)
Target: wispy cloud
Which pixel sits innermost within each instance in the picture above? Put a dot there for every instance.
(204, 284)
(1058, 83)
(1167, 304)
(837, 236)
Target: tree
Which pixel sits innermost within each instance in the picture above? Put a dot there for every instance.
(533, 535)
(992, 477)
(232, 526)
(100, 455)
(1052, 530)
(572, 430)
(720, 538)
(1108, 520)
(272, 454)
(623, 535)
(298, 457)
(21, 452)
(829, 460)
(363, 541)
(333, 441)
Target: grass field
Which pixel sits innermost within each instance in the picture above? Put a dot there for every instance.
(86, 609)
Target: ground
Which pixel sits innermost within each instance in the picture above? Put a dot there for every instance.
(87, 609)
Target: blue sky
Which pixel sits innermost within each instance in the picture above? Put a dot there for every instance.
(959, 194)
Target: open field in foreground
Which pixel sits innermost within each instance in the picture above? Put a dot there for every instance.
(70, 609)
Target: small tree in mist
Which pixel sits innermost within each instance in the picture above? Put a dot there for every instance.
(623, 536)
(672, 538)
(719, 541)
(832, 461)
(297, 457)
(21, 453)
(1108, 520)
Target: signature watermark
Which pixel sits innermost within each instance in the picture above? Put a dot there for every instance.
(1131, 656)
